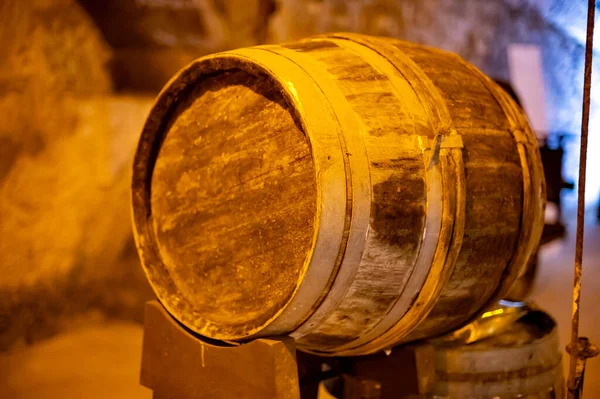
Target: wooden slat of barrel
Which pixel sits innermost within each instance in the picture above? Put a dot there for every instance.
(493, 185)
(397, 178)
(482, 213)
(476, 109)
(401, 291)
(425, 228)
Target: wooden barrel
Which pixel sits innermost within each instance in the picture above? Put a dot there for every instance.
(350, 191)
(524, 361)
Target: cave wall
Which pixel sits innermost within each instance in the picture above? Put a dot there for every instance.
(66, 140)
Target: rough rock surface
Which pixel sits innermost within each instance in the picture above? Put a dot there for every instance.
(65, 150)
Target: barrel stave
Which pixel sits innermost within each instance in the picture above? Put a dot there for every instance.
(397, 177)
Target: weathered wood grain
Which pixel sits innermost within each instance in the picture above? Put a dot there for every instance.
(431, 189)
(233, 199)
(398, 191)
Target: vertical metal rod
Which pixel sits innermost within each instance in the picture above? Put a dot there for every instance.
(581, 197)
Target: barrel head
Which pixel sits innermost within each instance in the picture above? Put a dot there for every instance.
(233, 202)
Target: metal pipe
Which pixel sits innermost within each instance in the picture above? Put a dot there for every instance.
(573, 381)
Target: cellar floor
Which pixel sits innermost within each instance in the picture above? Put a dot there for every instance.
(102, 361)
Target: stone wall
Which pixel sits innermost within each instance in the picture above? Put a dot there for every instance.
(66, 141)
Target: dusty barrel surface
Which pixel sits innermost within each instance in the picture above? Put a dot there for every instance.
(350, 191)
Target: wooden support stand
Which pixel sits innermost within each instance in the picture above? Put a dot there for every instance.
(180, 365)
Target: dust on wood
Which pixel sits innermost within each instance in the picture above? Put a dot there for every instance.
(234, 200)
